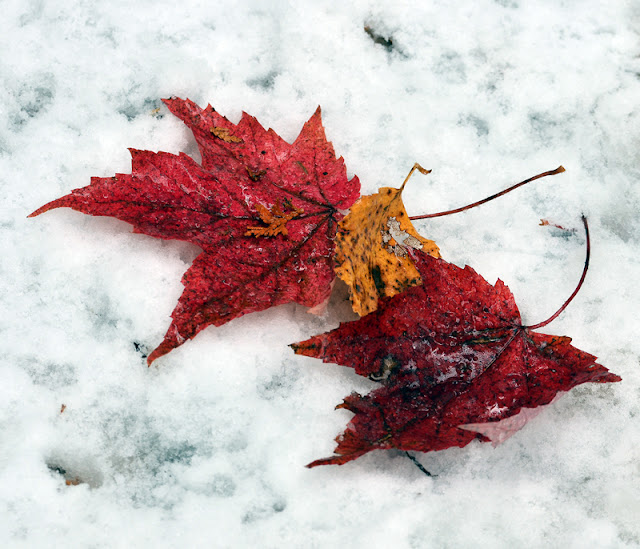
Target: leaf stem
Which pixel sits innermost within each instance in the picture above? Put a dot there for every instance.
(584, 274)
(418, 167)
(558, 170)
(418, 464)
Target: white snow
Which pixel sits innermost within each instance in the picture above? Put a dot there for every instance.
(208, 448)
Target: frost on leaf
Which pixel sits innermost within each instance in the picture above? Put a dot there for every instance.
(402, 239)
(502, 429)
(251, 184)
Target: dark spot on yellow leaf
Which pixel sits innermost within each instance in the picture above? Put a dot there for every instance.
(376, 274)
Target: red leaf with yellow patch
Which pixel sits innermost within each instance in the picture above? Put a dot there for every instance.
(263, 211)
(454, 361)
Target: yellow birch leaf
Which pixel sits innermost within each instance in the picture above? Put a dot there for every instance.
(371, 248)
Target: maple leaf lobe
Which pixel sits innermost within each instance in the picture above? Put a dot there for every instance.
(245, 171)
(460, 357)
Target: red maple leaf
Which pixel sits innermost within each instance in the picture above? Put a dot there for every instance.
(249, 179)
(455, 363)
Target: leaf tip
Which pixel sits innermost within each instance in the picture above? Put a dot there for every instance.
(48, 206)
(157, 353)
(323, 461)
(311, 347)
(607, 377)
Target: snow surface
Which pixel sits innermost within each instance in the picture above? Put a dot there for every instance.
(207, 449)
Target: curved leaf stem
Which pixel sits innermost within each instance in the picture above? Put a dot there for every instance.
(584, 274)
(558, 170)
(418, 167)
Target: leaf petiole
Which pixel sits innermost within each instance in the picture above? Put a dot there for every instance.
(418, 464)
(558, 170)
(584, 274)
(418, 167)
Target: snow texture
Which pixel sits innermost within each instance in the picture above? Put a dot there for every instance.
(206, 448)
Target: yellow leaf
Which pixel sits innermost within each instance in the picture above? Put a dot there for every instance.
(371, 248)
